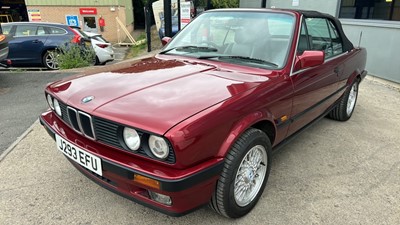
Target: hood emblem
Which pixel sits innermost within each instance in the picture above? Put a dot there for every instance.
(87, 99)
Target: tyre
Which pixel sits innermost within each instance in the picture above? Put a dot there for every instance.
(50, 60)
(347, 104)
(245, 173)
(97, 62)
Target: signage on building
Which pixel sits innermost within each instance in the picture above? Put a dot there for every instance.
(72, 20)
(92, 11)
(34, 15)
(185, 14)
(295, 2)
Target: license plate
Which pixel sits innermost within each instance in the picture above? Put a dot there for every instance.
(82, 157)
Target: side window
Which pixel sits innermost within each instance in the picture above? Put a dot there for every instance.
(41, 31)
(56, 30)
(337, 46)
(25, 30)
(324, 36)
(304, 40)
(6, 29)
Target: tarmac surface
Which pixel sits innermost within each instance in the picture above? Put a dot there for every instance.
(333, 173)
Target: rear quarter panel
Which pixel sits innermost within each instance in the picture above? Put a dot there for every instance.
(354, 64)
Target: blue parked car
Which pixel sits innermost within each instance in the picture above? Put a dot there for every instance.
(175, 29)
(3, 47)
(35, 43)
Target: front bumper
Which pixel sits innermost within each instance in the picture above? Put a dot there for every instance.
(189, 188)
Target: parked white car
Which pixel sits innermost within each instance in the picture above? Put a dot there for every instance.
(103, 48)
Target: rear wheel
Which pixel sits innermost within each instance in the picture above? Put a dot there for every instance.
(244, 176)
(50, 60)
(98, 62)
(347, 104)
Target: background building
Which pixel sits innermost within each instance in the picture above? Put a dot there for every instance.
(99, 16)
(373, 24)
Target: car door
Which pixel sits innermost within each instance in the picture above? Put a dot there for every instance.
(316, 88)
(3, 46)
(27, 44)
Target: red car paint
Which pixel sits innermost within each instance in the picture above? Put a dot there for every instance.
(201, 107)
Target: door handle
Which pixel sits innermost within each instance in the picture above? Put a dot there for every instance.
(336, 70)
(35, 41)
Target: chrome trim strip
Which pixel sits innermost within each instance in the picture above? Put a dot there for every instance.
(76, 115)
(91, 125)
(297, 44)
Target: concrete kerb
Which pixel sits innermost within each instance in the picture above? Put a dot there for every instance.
(387, 83)
(16, 142)
(84, 71)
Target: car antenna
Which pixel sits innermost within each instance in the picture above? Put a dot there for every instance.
(359, 41)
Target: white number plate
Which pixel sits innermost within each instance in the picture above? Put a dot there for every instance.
(84, 158)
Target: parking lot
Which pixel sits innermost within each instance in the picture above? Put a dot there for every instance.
(333, 173)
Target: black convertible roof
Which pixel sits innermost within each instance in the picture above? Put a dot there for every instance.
(347, 45)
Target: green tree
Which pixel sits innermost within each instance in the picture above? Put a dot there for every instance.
(225, 3)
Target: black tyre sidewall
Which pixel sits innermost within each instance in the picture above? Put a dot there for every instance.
(339, 113)
(232, 209)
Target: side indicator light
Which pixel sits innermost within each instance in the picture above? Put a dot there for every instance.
(284, 118)
(146, 181)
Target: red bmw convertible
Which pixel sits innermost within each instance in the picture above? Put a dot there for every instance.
(197, 123)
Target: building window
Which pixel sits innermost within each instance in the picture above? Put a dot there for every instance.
(370, 9)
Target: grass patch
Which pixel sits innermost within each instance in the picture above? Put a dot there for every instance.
(136, 50)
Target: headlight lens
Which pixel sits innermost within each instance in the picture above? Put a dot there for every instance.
(50, 101)
(131, 138)
(158, 147)
(57, 107)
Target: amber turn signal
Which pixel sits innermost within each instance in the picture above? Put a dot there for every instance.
(146, 181)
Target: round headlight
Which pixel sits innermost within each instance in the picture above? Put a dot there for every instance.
(131, 138)
(50, 101)
(57, 107)
(158, 147)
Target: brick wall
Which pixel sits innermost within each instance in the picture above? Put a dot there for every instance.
(112, 32)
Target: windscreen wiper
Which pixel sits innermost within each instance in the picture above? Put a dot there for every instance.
(238, 57)
(191, 48)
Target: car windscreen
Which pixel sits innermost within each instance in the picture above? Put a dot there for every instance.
(259, 39)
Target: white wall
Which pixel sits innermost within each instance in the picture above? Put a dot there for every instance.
(325, 6)
(250, 4)
(382, 41)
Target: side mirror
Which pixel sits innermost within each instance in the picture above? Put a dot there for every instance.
(165, 40)
(309, 59)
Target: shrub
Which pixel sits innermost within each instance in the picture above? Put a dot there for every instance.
(75, 56)
(225, 3)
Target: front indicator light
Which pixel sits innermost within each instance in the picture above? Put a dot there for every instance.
(158, 147)
(146, 181)
(131, 138)
(57, 107)
(163, 199)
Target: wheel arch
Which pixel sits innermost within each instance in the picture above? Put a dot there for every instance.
(258, 120)
(355, 75)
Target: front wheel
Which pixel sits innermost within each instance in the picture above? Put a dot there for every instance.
(50, 60)
(347, 104)
(245, 173)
